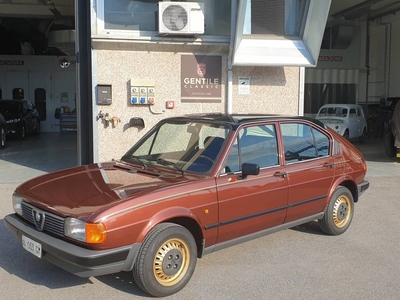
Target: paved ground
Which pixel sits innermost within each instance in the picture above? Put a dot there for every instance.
(299, 263)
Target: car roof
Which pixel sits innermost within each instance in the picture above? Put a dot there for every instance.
(239, 119)
(341, 105)
(13, 100)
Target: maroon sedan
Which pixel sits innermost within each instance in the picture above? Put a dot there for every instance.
(191, 186)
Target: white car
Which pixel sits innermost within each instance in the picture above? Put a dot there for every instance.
(346, 119)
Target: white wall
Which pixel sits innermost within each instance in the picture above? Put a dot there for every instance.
(30, 72)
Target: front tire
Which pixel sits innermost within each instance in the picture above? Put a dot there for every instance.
(338, 213)
(22, 132)
(388, 141)
(166, 260)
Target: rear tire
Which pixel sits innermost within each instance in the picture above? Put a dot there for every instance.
(166, 260)
(390, 149)
(37, 131)
(338, 213)
(3, 137)
(361, 138)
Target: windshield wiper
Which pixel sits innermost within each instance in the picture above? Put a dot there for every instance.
(164, 162)
(127, 157)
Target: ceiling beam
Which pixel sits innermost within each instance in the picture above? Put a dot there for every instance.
(356, 10)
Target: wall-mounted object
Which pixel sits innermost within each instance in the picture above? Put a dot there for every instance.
(136, 122)
(115, 121)
(107, 119)
(170, 104)
(184, 18)
(100, 115)
(104, 96)
(142, 91)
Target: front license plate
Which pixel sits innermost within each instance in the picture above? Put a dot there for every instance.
(31, 246)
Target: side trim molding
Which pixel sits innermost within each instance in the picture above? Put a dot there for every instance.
(223, 245)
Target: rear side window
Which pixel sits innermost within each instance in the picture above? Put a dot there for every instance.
(302, 142)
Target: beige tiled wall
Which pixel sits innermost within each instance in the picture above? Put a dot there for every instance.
(272, 90)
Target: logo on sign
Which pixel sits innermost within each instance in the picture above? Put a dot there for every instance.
(38, 219)
(201, 69)
(64, 63)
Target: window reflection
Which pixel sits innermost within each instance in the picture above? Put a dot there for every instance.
(302, 142)
(279, 18)
(142, 15)
(258, 145)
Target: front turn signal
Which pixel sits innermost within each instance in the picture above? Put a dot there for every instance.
(95, 233)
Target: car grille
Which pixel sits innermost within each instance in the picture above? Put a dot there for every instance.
(53, 224)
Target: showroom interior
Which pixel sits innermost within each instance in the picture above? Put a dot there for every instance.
(356, 64)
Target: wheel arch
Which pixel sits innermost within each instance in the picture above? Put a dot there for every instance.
(349, 184)
(180, 216)
(194, 228)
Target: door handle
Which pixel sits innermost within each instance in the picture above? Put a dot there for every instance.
(280, 174)
(328, 165)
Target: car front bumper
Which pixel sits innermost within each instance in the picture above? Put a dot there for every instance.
(12, 128)
(72, 258)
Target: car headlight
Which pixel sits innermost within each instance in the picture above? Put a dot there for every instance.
(13, 121)
(17, 204)
(91, 233)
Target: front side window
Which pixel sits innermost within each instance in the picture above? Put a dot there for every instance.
(180, 145)
(302, 142)
(256, 145)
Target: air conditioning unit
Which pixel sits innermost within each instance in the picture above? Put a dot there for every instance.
(180, 18)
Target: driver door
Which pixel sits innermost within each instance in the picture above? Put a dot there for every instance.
(248, 205)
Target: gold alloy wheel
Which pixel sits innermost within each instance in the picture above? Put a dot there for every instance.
(342, 211)
(171, 262)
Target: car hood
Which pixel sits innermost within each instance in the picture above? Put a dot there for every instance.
(10, 116)
(82, 191)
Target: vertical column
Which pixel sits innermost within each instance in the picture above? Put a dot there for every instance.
(84, 82)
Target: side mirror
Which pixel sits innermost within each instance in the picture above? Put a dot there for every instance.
(249, 169)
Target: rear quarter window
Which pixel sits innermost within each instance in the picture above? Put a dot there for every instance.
(303, 142)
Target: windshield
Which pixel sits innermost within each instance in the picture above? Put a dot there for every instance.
(181, 146)
(10, 107)
(333, 112)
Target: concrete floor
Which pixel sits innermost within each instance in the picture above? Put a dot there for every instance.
(48, 152)
(37, 155)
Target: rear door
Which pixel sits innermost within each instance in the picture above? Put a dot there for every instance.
(309, 168)
(248, 205)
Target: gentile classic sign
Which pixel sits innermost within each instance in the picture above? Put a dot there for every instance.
(201, 77)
